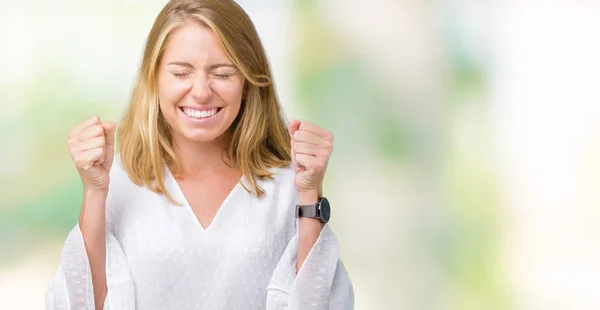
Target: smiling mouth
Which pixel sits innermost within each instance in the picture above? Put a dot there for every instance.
(197, 114)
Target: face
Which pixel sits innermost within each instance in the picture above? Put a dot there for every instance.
(199, 88)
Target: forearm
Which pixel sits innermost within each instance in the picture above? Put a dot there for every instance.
(309, 229)
(92, 226)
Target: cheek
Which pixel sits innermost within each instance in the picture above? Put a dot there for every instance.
(229, 91)
(170, 90)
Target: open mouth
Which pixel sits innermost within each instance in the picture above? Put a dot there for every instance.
(200, 114)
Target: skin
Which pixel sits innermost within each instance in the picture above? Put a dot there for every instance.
(194, 72)
(91, 146)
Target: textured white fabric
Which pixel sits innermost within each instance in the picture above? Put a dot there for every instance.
(160, 257)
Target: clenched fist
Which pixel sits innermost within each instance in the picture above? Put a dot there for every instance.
(311, 148)
(91, 145)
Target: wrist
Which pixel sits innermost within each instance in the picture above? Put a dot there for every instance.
(93, 213)
(308, 197)
(93, 194)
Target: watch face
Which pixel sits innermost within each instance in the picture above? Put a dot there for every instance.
(325, 210)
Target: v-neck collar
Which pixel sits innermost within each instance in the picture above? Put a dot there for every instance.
(177, 193)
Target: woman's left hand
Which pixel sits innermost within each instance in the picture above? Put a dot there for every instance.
(311, 149)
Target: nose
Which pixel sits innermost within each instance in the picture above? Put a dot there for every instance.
(201, 89)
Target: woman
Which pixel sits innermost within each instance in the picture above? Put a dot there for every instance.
(212, 203)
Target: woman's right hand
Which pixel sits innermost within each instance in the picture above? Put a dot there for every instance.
(91, 146)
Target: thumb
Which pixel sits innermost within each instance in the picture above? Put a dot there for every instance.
(109, 137)
(109, 133)
(293, 126)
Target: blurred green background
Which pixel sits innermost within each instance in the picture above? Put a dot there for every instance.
(465, 173)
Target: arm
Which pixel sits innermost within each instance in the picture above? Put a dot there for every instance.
(309, 229)
(322, 282)
(309, 275)
(92, 226)
(93, 271)
(83, 278)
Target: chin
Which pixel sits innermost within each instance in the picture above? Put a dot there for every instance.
(196, 135)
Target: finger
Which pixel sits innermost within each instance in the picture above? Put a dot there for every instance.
(307, 137)
(109, 136)
(307, 161)
(74, 143)
(109, 133)
(79, 128)
(310, 149)
(91, 132)
(86, 160)
(293, 126)
(92, 144)
(322, 132)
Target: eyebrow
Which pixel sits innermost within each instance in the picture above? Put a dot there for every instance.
(211, 67)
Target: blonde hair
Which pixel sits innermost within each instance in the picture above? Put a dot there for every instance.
(258, 138)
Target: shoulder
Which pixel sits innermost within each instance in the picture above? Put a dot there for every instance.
(283, 178)
(279, 200)
(120, 187)
(283, 175)
(123, 196)
(118, 174)
(281, 186)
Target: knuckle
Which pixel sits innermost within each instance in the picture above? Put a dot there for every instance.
(90, 132)
(85, 141)
(74, 151)
(98, 130)
(99, 140)
(79, 162)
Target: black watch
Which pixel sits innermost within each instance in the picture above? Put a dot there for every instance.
(319, 210)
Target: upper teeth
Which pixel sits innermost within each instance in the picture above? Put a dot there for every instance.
(200, 114)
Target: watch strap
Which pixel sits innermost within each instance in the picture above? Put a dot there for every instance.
(307, 211)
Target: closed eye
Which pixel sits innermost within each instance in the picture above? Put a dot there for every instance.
(223, 76)
(180, 75)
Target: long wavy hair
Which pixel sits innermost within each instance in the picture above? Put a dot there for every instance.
(258, 138)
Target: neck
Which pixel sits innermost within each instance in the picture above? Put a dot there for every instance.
(200, 157)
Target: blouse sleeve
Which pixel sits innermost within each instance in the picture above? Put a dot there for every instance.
(321, 283)
(71, 286)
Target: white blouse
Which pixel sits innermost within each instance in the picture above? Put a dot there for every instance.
(158, 256)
